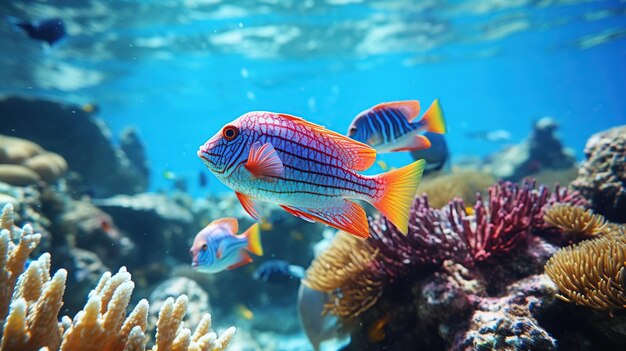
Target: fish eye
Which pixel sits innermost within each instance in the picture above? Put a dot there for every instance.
(352, 130)
(204, 247)
(230, 132)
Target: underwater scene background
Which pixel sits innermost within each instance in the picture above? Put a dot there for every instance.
(515, 237)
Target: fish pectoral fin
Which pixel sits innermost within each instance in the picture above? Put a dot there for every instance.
(349, 217)
(250, 205)
(243, 260)
(409, 109)
(297, 212)
(263, 161)
(220, 250)
(419, 142)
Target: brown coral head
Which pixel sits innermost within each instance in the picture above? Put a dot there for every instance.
(591, 273)
(579, 222)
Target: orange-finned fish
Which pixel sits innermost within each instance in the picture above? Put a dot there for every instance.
(308, 170)
(376, 331)
(389, 127)
(216, 247)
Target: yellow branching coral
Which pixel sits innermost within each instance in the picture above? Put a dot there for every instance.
(344, 272)
(575, 220)
(36, 298)
(592, 273)
(463, 183)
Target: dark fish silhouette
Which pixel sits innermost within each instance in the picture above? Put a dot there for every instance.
(276, 271)
(436, 156)
(202, 179)
(50, 30)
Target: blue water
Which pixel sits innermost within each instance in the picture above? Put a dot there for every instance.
(180, 70)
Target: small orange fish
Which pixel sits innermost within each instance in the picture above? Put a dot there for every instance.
(376, 332)
(244, 312)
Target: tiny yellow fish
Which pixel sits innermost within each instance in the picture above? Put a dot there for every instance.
(383, 165)
(88, 108)
(376, 332)
(169, 175)
(266, 225)
(470, 210)
(244, 312)
(296, 235)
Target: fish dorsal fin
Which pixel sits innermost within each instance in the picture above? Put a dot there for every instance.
(409, 108)
(228, 222)
(417, 142)
(263, 161)
(356, 155)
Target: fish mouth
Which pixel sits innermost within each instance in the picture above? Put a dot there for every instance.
(203, 155)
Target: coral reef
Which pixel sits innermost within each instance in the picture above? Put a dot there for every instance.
(592, 272)
(351, 267)
(509, 322)
(158, 221)
(114, 173)
(464, 184)
(23, 162)
(36, 298)
(602, 176)
(542, 151)
(469, 277)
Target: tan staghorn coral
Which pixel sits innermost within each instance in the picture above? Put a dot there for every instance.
(592, 273)
(462, 183)
(343, 271)
(35, 299)
(576, 220)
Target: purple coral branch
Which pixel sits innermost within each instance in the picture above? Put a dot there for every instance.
(496, 227)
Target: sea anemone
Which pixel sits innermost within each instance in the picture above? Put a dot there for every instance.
(580, 222)
(349, 272)
(592, 273)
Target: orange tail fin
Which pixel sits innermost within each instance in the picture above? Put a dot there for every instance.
(254, 239)
(433, 118)
(400, 186)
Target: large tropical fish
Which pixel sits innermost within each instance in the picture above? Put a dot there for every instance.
(308, 170)
(216, 247)
(390, 126)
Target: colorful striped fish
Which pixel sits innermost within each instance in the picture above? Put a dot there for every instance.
(216, 247)
(389, 127)
(308, 170)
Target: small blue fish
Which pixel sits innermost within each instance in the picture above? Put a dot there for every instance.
(389, 127)
(494, 136)
(216, 247)
(276, 271)
(50, 30)
(202, 179)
